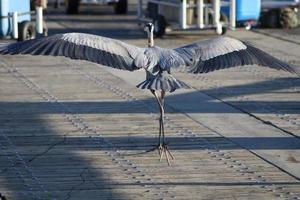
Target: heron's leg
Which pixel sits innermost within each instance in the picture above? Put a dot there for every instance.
(162, 115)
(161, 145)
(164, 144)
(160, 120)
(160, 142)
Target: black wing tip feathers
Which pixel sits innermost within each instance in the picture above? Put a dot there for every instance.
(249, 56)
(273, 62)
(55, 46)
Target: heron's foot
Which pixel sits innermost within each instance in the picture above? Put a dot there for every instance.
(163, 150)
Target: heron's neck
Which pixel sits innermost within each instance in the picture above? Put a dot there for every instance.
(150, 39)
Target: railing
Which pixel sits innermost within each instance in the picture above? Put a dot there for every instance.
(14, 15)
(201, 9)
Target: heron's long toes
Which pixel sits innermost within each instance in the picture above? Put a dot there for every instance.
(164, 151)
(167, 156)
(169, 152)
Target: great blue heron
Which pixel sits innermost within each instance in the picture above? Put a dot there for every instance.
(198, 57)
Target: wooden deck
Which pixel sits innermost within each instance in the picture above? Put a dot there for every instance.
(71, 132)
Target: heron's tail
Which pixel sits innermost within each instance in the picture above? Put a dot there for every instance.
(162, 81)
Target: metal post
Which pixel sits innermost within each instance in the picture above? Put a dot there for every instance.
(183, 14)
(15, 31)
(232, 14)
(217, 11)
(200, 14)
(39, 20)
(206, 13)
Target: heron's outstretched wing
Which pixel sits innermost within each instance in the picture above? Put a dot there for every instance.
(101, 50)
(224, 52)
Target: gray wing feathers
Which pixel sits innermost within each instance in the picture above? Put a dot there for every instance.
(101, 43)
(81, 46)
(224, 52)
(207, 49)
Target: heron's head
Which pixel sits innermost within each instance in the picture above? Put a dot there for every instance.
(149, 28)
